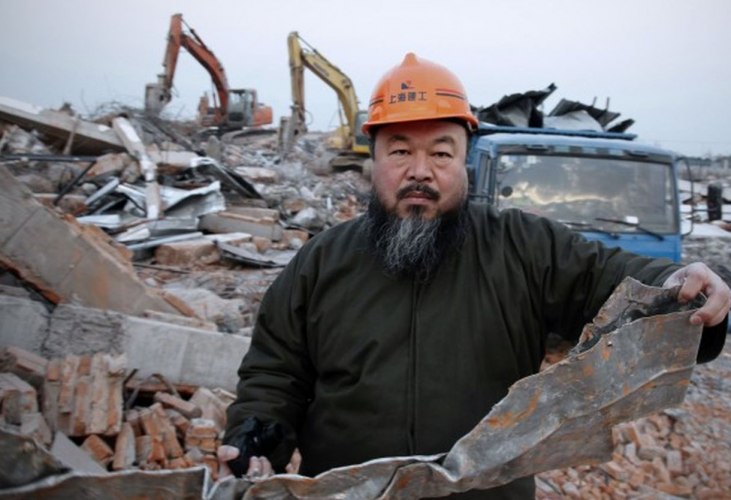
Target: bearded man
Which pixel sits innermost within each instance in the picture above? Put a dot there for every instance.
(395, 333)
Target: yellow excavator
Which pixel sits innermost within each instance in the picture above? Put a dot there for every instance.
(349, 142)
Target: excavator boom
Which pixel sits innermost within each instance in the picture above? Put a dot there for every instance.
(301, 57)
(245, 111)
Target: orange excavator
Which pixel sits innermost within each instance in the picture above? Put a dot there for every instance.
(232, 109)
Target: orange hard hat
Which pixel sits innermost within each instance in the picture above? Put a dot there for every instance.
(418, 89)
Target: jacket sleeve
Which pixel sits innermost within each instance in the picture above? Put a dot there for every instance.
(276, 376)
(576, 277)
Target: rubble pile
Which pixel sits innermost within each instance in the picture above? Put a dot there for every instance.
(203, 225)
(679, 453)
(93, 400)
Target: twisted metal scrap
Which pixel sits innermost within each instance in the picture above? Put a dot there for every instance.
(641, 359)
(640, 356)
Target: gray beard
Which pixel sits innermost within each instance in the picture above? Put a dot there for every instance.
(413, 245)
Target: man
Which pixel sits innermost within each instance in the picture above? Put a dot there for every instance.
(395, 333)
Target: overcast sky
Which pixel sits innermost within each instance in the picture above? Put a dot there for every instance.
(664, 63)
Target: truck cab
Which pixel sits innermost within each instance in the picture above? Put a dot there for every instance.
(602, 184)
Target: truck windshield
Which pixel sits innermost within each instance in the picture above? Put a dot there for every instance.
(606, 194)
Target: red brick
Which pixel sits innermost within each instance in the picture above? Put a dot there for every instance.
(615, 471)
(25, 364)
(124, 449)
(98, 449)
(211, 462)
(180, 423)
(212, 406)
(187, 253)
(190, 410)
(661, 471)
(133, 418)
(167, 430)
(81, 405)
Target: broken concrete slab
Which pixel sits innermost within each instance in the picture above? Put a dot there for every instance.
(228, 314)
(230, 222)
(180, 159)
(259, 175)
(254, 258)
(74, 457)
(173, 319)
(181, 353)
(187, 253)
(113, 164)
(230, 238)
(23, 323)
(88, 138)
(65, 261)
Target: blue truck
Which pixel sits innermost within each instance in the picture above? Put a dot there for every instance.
(605, 185)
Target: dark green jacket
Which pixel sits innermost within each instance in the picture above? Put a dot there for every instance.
(358, 365)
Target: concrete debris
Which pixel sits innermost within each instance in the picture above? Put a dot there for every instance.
(83, 398)
(86, 137)
(241, 254)
(85, 269)
(175, 281)
(179, 352)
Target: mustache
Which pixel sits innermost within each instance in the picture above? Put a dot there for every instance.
(430, 192)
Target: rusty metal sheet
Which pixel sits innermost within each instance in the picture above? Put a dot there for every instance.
(640, 361)
(187, 484)
(636, 358)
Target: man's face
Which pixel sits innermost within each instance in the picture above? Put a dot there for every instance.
(419, 167)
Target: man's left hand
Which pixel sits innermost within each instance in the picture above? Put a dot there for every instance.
(698, 278)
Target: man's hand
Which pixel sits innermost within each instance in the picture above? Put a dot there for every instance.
(698, 278)
(259, 467)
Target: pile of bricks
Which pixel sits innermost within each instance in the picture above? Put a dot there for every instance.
(21, 377)
(678, 453)
(83, 398)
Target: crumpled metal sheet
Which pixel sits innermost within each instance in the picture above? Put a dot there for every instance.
(187, 484)
(558, 418)
(23, 460)
(641, 356)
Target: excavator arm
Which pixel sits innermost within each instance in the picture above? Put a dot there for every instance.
(301, 57)
(182, 35)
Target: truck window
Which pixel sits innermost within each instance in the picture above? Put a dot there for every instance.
(582, 189)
